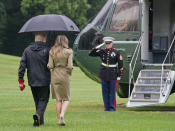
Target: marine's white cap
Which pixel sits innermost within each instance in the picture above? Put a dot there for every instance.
(108, 40)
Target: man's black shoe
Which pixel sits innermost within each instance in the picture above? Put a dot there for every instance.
(36, 120)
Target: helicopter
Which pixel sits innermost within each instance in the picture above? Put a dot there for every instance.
(144, 35)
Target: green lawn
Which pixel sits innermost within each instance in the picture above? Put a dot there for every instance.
(85, 112)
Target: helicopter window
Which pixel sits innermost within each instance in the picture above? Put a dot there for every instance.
(86, 40)
(101, 19)
(125, 17)
(102, 22)
(90, 36)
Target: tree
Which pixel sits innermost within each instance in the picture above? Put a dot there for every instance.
(74, 9)
(96, 5)
(14, 13)
(13, 43)
(3, 22)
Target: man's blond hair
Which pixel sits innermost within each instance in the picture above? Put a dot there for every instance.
(40, 36)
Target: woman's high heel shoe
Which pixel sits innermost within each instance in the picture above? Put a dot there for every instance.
(61, 121)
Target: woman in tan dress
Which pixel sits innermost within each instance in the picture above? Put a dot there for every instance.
(61, 65)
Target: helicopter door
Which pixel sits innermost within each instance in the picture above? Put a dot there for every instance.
(161, 22)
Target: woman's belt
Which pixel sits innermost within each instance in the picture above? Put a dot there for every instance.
(60, 66)
(107, 65)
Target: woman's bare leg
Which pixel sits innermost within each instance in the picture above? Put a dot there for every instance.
(58, 108)
(63, 109)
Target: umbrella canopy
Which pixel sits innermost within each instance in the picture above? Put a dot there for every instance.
(49, 23)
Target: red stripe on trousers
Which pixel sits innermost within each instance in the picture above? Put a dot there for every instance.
(115, 95)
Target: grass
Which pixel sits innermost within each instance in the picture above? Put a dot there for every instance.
(85, 112)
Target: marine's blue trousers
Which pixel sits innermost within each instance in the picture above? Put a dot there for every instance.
(109, 94)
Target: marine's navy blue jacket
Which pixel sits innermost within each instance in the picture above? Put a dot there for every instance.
(109, 57)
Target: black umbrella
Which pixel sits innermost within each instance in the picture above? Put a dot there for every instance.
(49, 23)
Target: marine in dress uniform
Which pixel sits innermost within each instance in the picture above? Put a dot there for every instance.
(111, 68)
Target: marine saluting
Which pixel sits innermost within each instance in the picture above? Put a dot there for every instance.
(111, 68)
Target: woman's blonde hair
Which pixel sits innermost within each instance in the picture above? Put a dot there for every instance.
(60, 43)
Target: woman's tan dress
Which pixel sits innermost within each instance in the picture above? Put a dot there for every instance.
(61, 66)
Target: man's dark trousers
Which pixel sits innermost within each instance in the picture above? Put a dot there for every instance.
(109, 94)
(41, 98)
